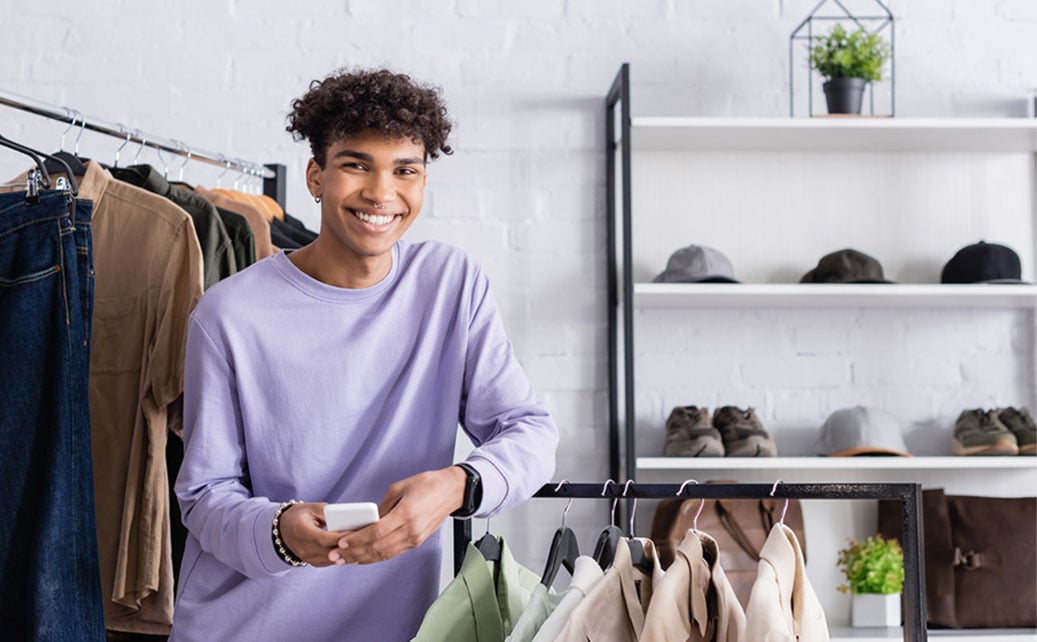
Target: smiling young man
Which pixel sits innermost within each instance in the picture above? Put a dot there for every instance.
(339, 373)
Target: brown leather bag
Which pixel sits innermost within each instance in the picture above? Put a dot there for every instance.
(740, 526)
(980, 570)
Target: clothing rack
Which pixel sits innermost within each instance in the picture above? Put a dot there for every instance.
(909, 496)
(274, 175)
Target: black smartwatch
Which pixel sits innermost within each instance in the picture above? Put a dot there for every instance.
(472, 492)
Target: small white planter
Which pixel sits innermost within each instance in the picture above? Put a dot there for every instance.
(874, 609)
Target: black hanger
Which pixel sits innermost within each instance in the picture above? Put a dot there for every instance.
(489, 546)
(33, 154)
(638, 557)
(605, 549)
(62, 161)
(563, 552)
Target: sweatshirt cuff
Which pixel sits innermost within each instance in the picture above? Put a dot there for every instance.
(494, 486)
(263, 540)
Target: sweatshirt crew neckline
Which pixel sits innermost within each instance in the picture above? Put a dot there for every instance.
(324, 292)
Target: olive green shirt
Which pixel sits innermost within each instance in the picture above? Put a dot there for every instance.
(483, 601)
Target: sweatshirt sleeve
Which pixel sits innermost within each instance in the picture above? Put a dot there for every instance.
(515, 436)
(213, 486)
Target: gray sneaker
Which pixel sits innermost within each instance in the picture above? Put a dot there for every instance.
(980, 432)
(743, 433)
(689, 433)
(1019, 421)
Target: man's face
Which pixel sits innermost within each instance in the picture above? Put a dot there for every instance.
(371, 190)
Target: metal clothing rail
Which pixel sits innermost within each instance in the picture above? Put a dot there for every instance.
(909, 496)
(273, 175)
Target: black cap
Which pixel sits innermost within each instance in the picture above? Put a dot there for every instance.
(983, 263)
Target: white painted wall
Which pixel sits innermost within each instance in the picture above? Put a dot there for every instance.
(525, 191)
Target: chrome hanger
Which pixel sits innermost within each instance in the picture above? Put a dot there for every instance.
(783, 510)
(702, 502)
(126, 131)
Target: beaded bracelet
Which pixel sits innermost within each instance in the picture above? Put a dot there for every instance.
(283, 551)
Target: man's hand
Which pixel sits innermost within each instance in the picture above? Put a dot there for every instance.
(302, 531)
(411, 511)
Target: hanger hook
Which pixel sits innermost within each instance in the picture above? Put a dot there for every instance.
(182, 146)
(165, 164)
(566, 511)
(604, 489)
(71, 123)
(633, 509)
(786, 507)
(82, 128)
(143, 142)
(122, 130)
(226, 168)
(702, 503)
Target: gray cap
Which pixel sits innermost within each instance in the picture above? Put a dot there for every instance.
(861, 431)
(697, 264)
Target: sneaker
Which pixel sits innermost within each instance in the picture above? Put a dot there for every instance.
(743, 434)
(689, 433)
(1019, 421)
(980, 432)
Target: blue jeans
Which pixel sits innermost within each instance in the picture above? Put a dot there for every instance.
(50, 586)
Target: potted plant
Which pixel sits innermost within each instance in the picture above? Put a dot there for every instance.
(874, 571)
(849, 61)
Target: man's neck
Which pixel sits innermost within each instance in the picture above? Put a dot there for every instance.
(326, 263)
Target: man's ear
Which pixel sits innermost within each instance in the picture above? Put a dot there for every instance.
(313, 171)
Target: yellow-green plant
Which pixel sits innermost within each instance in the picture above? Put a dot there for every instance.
(873, 566)
(856, 55)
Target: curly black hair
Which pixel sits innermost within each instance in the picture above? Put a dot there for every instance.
(347, 102)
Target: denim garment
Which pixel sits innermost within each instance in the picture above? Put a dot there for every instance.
(49, 578)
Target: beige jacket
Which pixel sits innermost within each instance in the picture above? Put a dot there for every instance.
(680, 609)
(782, 606)
(614, 609)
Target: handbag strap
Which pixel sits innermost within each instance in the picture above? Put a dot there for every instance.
(730, 524)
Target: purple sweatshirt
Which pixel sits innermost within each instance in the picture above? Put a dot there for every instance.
(295, 389)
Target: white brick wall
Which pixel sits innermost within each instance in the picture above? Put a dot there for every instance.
(525, 190)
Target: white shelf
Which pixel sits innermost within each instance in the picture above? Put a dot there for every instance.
(796, 295)
(847, 634)
(837, 463)
(834, 134)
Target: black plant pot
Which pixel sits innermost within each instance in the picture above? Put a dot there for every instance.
(844, 95)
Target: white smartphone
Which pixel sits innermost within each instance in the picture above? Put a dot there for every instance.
(350, 516)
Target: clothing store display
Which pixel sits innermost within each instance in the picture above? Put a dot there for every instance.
(739, 526)
(614, 610)
(1021, 424)
(980, 570)
(49, 587)
(148, 277)
(983, 262)
(481, 604)
(783, 605)
(694, 601)
(846, 266)
(981, 432)
(586, 575)
(697, 264)
(214, 240)
(690, 433)
(743, 433)
(861, 430)
(256, 221)
(450, 361)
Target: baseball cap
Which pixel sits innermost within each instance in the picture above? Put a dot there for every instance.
(983, 263)
(861, 430)
(697, 264)
(846, 266)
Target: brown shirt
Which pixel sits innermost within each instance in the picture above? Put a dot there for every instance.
(148, 267)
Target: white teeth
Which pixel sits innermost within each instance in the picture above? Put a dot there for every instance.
(374, 220)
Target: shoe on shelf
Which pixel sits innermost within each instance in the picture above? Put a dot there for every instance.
(1020, 422)
(980, 432)
(743, 434)
(689, 433)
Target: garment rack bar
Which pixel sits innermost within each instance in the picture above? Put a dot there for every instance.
(130, 134)
(909, 496)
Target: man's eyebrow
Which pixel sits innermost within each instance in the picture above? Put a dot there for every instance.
(367, 158)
